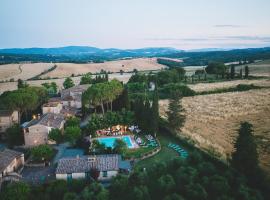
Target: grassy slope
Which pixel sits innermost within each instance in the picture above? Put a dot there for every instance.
(164, 155)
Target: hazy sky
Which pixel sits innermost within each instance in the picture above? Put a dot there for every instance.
(183, 24)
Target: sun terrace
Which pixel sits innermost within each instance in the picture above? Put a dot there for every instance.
(131, 135)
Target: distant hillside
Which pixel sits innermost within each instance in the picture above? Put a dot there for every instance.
(73, 50)
(85, 54)
(202, 58)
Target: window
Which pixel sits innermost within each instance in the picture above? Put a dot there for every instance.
(69, 177)
(105, 174)
(87, 175)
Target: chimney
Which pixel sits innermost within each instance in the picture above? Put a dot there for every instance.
(91, 159)
(77, 159)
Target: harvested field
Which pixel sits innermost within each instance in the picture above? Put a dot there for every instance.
(261, 68)
(8, 71)
(212, 121)
(9, 86)
(200, 87)
(22, 71)
(67, 69)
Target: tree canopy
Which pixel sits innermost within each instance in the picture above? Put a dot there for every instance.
(56, 135)
(216, 68)
(68, 83)
(72, 134)
(23, 99)
(102, 94)
(176, 118)
(14, 135)
(42, 153)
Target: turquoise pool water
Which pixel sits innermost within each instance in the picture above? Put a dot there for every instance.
(109, 141)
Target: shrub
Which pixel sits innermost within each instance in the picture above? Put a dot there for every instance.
(56, 135)
(171, 88)
(42, 153)
(72, 134)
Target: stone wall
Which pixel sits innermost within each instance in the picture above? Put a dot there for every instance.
(38, 134)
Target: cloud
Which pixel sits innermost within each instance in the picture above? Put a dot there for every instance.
(232, 41)
(177, 39)
(253, 38)
(228, 26)
(214, 38)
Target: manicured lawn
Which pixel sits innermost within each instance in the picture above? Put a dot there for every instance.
(136, 153)
(164, 155)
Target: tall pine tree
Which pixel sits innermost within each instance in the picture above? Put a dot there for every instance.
(176, 118)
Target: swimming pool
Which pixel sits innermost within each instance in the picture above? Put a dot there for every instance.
(109, 141)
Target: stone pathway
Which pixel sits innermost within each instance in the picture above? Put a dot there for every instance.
(60, 151)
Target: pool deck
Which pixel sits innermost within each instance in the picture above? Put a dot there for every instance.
(133, 142)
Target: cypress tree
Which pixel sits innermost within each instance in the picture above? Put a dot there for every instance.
(241, 73)
(122, 101)
(232, 71)
(245, 157)
(176, 118)
(146, 117)
(139, 112)
(246, 71)
(155, 113)
(125, 99)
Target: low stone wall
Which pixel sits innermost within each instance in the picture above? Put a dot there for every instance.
(35, 165)
(149, 154)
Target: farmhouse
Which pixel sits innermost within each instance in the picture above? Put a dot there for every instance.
(69, 112)
(7, 119)
(72, 97)
(106, 166)
(36, 131)
(10, 161)
(52, 107)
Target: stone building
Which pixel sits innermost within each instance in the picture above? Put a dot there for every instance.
(7, 119)
(10, 161)
(72, 97)
(52, 107)
(36, 131)
(106, 167)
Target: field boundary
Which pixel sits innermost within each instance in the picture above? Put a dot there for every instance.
(43, 73)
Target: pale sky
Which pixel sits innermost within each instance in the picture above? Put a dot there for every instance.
(182, 24)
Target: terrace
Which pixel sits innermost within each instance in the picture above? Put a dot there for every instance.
(138, 143)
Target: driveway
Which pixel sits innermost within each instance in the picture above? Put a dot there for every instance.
(60, 151)
(65, 152)
(38, 175)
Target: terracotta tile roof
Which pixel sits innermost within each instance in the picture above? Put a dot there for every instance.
(69, 111)
(48, 119)
(77, 88)
(107, 162)
(6, 157)
(51, 104)
(55, 99)
(68, 98)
